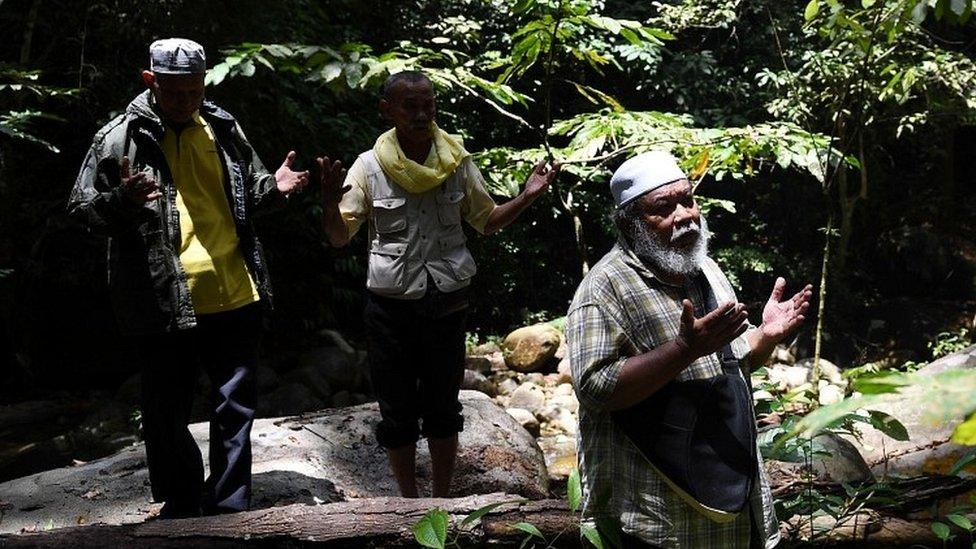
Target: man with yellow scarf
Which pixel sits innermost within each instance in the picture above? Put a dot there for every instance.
(414, 187)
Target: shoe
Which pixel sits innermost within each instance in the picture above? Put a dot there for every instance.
(172, 510)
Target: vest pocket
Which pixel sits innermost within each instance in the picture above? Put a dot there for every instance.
(449, 207)
(457, 256)
(390, 214)
(385, 273)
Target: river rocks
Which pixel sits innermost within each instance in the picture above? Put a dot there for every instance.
(560, 452)
(829, 394)
(477, 382)
(341, 369)
(828, 370)
(312, 377)
(479, 364)
(485, 349)
(328, 456)
(267, 379)
(782, 355)
(528, 396)
(526, 419)
(289, 399)
(531, 347)
(565, 371)
(928, 450)
(507, 386)
(787, 378)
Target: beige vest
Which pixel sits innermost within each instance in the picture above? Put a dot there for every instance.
(413, 234)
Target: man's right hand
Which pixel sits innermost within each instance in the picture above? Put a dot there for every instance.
(139, 187)
(706, 335)
(331, 176)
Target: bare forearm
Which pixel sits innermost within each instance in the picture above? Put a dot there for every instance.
(504, 214)
(643, 375)
(335, 227)
(760, 348)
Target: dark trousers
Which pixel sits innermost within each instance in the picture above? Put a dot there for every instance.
(416, 360)
(226, 346)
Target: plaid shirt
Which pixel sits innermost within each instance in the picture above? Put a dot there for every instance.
(620, 310)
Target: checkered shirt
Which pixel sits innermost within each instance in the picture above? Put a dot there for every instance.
(620, 310)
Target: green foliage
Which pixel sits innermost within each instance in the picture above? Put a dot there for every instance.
(431, 530)
(941, 531)
(20, 83)
(946, 343)
(947, 395)
(574, 490)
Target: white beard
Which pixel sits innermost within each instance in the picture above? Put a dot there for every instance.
(668, 257)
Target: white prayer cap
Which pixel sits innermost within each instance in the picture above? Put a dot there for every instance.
(177, 56)
(642, 174)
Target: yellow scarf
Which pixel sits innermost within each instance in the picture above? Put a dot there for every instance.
(419, 178)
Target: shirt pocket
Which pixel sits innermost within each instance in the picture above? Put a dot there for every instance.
(390, 214)
(386, 267)
(457, 256)
(449, 207)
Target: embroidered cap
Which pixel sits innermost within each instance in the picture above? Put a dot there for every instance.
(177, 56)
(642, 174)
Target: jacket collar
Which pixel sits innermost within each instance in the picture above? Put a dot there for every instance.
(143, 107)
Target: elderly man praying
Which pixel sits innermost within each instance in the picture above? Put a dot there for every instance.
(656, 337)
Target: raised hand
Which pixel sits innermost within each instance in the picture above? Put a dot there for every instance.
(288, 180)
(540, 178)
(780, 318)
(139, 187)
(708, 334)
(331, 177)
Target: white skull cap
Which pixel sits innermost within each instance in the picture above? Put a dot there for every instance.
(642, 174)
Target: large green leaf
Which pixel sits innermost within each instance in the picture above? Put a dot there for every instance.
(482, 511)
(530, 529)
(574, 490)
(431, 530)
(592, 535)
(965, 432)
(812, 9)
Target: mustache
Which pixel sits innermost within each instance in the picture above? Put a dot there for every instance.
(680, 232)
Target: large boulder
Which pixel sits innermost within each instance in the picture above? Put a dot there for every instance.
(530, 348)
(327, 456)
(928, 449)
(289, 399)
(339, 367)
(832, 459)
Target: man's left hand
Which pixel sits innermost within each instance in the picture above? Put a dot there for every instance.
(781, 318)
(288, 180)
(540, 178)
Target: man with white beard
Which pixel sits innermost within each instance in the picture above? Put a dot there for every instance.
(655, 318)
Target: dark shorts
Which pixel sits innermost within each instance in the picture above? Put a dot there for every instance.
(416, 362)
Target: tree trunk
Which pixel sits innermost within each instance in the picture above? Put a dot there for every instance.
(374, 522)
(570, 208)
(25, 48)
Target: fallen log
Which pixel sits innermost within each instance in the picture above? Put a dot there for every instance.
(364, 523)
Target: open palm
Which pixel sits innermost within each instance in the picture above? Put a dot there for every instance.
(780, 318)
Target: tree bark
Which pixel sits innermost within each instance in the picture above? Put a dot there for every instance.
(375, 522)
(25, 48)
